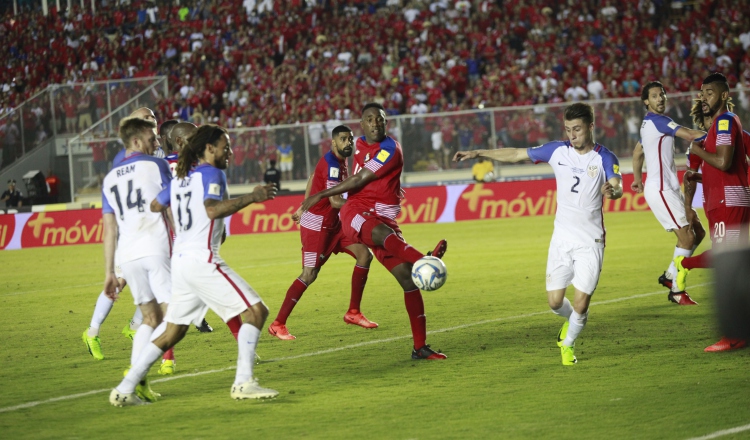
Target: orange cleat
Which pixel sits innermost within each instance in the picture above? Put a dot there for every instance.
(427, 353)
(279, 330)
(357, 318)
(726, 344)
(439, 250)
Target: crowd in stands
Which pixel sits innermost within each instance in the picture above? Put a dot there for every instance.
(254, 63)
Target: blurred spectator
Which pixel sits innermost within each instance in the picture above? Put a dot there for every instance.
(272, 175)
(12, 197)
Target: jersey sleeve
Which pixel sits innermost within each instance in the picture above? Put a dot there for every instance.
(333, 173)
(543, 153)
(383, 162)
(165, 172)
(694, 162)
(106, 208)
(164, 197)
(611, 164)
(725, 133)
(214, 184)
(665, 125)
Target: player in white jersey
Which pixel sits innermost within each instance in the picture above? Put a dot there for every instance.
(585, 171)
(140, 236)
(200, 278)
(662, 188)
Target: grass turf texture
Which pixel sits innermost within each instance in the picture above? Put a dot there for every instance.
(642, 372)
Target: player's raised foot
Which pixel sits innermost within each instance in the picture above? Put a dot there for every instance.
(204, 327)
(357, 318)
(682, 273)
(117, 398)
(251, 390)
(127, 331)
(681, 298)
(144, 392)
(94, 345)
(726, 344)
(427, 353)
(568, 355)
(439, 250)
(167, 367)
(279, 330)
(664, 281)
(563, 333)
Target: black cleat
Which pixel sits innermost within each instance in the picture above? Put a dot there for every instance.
(664, 281)
(427, 353)
(204, 327)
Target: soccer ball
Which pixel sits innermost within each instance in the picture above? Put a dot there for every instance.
(489, 177)
(429, 273)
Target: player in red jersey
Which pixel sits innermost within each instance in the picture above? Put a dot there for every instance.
(322, 236)
(725, 184)
(368, 216)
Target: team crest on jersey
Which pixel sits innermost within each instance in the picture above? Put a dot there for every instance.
(723, 125)
(214, 189)
(672, 125)
(592, 171)
(333, 172)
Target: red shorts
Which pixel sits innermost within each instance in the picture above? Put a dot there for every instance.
(728, 225)
(358, 223)
(317, 246)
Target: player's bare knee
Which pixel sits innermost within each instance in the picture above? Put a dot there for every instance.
(309, 275)
(379, 233)
(364, 258)
(554, 303)
(685, 237)
(255, 315)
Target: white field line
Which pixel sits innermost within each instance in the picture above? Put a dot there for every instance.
(723, 433)
(333, 350)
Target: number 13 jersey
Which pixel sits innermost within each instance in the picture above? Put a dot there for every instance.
(579, 218)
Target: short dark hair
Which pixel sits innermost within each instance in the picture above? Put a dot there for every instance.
(717, 77)
(341, 129)
(167, 125)
(13, 181)
(580, 110)
(647, 88)
(373, 105)
(130, 127)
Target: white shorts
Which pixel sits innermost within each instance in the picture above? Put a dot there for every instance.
(668, 207)
(149, 278)
(285, 166)
(570, 263)
(198, 285)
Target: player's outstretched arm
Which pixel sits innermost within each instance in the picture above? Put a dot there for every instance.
(689, 134)
(508, 155)
(224, 208)
(355, 181)
(721, 160)
(110, 244)
(638, 157)
(612, 189)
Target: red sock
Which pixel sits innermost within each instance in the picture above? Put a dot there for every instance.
(292, 297)
(702, 261)
(234, 325)
(359, 279)
(401, 249)
(415, 309)
(168, 355)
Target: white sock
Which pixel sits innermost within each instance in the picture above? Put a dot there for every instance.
(139, 369)
(137, 319)
(140, 340)
(576, 324)
(672, 271)
(565, 310)
(158, 331)
(247, 339)
(101, 310)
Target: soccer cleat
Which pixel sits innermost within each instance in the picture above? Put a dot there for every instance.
(427, 353)
(439, 250)
(359, 319)
(204, 327)
(664, 281)
(128, 332)
(682, 273)
(117, 398)
(563, 333)
(94, 345)
(726, 344)
(681, 298)
(568, 355)
(144, 392)
(279, 330)
(167, 367)
(251, 390)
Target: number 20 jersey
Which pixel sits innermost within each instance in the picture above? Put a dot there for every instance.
(196, 233)
(127, 192)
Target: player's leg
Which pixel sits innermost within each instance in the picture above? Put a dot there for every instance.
(293, 296)
(363, 256)
(245, 385)
(717, 230)
(375, 232)
(684, 249)
(91, 335)
(559, 274)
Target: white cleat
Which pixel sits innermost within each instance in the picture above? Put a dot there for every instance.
(117, 398)
(251, 390)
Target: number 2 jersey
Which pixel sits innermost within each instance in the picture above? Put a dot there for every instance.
(579, 218)
(196, 233)
(127, 191)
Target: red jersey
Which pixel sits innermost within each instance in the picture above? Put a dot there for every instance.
(726, 188)
(746, 141)
(386, 160)
(329, 172)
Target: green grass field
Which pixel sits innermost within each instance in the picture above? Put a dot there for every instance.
(642, 372)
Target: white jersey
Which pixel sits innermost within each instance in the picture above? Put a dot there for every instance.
(196, 234)
(657, 138)
(127, 191)
(579, 218)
